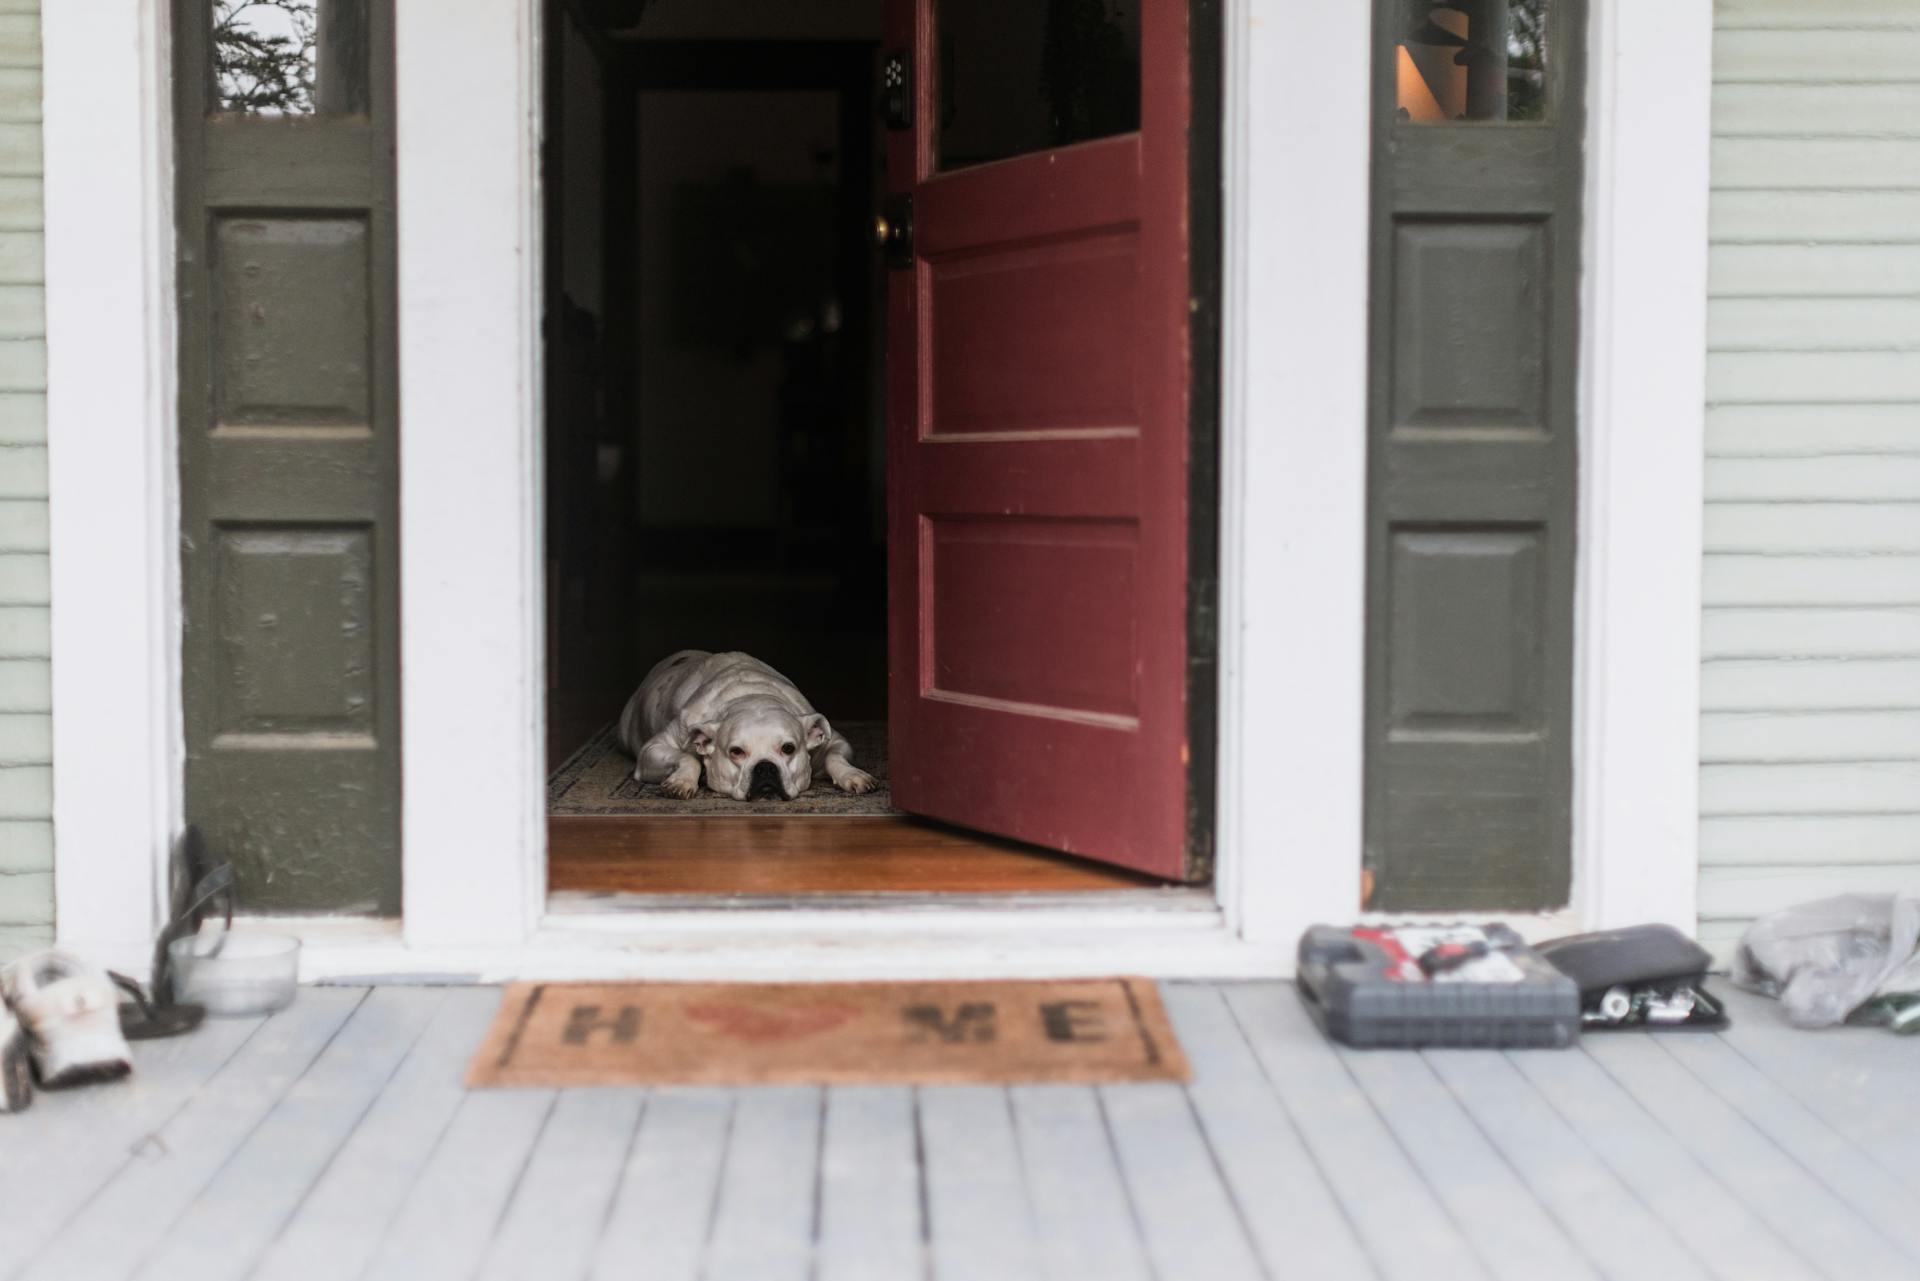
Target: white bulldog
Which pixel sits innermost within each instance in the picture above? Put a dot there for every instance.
(756, 733)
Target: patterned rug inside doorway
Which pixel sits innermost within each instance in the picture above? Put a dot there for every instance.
(597, 782)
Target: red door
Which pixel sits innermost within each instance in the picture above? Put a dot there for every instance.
(1037, 410)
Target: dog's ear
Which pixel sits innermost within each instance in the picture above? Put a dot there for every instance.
(700, 738)
(818, 731)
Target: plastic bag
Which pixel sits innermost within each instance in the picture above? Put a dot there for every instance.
(1825, 959)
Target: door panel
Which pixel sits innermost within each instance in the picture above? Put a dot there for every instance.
(1048, 581)
(1038, 434)
(1476, 233)
(1012, 353)
(288, 447)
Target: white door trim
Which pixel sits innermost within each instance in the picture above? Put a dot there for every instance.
(1293, 465)
(1642, 458)
(1293, 512)
(473, 823)
(113, 517)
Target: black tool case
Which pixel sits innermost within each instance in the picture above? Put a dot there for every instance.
(1646, 976)
(1459, 985)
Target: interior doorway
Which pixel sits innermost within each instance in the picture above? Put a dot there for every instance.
(716, 440)
(714, 437)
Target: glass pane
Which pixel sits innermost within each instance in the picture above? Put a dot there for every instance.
(1024, 75)
(290, 57)
(1472, 60)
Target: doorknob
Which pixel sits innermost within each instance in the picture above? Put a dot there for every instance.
(893, 230)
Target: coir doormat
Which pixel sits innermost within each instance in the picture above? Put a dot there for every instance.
(597, 1034)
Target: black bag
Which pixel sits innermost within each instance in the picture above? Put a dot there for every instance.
(1650, 976)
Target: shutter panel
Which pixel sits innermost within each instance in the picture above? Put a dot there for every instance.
(1472, 444)
(288, 460)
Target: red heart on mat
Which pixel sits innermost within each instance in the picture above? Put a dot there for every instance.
(757, 1024)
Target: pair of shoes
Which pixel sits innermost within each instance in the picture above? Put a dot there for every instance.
(62, 1019)
(69, 1013)
(16, 1073)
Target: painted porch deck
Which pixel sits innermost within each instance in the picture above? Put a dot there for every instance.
(334, 1141)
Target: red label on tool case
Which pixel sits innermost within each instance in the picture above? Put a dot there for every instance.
(1405, 946)
(1400, 965)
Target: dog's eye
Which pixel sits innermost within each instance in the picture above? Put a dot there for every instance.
(786, 749)
(738, 753)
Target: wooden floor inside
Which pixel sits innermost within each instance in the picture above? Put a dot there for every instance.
(806, 855)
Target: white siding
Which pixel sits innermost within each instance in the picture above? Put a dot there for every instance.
(1810, 736)
(26, 726)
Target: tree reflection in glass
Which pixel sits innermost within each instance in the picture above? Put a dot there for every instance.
(289, 57)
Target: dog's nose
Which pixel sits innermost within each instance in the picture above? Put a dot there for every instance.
(764, 784)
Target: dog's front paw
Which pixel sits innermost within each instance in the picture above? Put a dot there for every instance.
(857, 782)
(681, 787)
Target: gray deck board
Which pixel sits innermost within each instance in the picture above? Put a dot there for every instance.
(763, 1224)
(122, 1222)
(1821, 1227)
(1869, 1187)
(226, 1229)
(1074, 1184)
(1296, 1222)
(663, 1211)
(979, 1214)
(564, 1197)
(336, 1140)
(1404, 1227)
(454, 1209)
(870, 1228)
(1616, 1231)
(1853, 1079)
(1512, 1233)
(1188, 1216)
(1735, 1242)
(345, 1214)
(47, 1177)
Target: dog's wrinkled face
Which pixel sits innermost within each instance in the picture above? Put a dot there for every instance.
(763, 753)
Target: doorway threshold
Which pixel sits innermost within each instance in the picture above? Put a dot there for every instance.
(1179, 898)
(1159, 933)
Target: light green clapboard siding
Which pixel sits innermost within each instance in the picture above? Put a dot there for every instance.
(1810, 729)
(1769, 325)
(26, 725)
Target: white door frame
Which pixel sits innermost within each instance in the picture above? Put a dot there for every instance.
(113, 514)
(1293, 515)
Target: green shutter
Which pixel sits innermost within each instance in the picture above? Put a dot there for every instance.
(288, 470)
(1472, 494)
